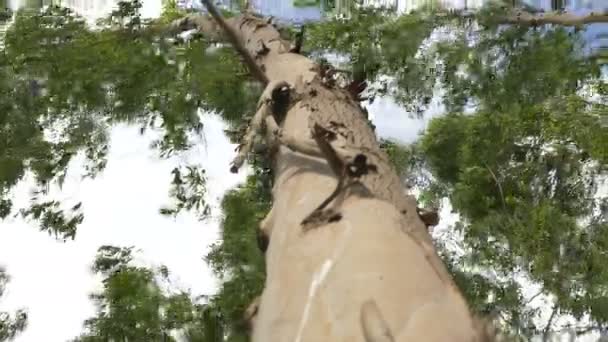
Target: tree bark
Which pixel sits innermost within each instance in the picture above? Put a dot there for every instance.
(524, 18)
(368, 273)
(564, 19)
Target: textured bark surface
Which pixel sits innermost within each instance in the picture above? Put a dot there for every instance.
(371, 276)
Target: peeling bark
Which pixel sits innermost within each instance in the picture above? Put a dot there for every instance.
(265, 107)
(371, 276)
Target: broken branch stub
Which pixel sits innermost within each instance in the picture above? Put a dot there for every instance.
(274, 99)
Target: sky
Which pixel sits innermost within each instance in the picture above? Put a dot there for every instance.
(52, 279)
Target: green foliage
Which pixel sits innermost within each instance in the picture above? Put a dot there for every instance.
(189, 192)
(524, 181)
(514, 68)
(306, 3)
(522, 170)
(377, 42)
(60, 78)
(5, 14)
(63, 85)
(54, 220)
(398, 154)
(171, 12)
(133, 307)
(237, 260)
(10, 325)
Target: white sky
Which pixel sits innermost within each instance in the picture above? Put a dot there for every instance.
(52, 279)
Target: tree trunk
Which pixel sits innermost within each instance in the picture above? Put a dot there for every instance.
(367, 273)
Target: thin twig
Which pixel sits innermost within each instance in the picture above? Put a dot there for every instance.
(502, 195)
(533, 297)
(549, 323)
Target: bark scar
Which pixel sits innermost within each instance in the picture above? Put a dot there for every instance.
(348, 172)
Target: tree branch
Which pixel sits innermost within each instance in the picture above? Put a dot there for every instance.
(255, 70)
(502, 195)
(566, 19)
(579, 330)
(547, 329)
(525, 17)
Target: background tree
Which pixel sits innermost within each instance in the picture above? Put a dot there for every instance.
(133, 306)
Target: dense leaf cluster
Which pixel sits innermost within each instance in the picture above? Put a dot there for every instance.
(134, 307)
(63, 85)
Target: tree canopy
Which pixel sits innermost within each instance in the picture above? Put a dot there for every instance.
(520, 152)
(134, 307)
(64, 85)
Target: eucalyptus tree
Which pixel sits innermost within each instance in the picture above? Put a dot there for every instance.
(364, 267)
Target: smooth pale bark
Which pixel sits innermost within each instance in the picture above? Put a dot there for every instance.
(372, 276)
(565, 19)
(524, 18)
